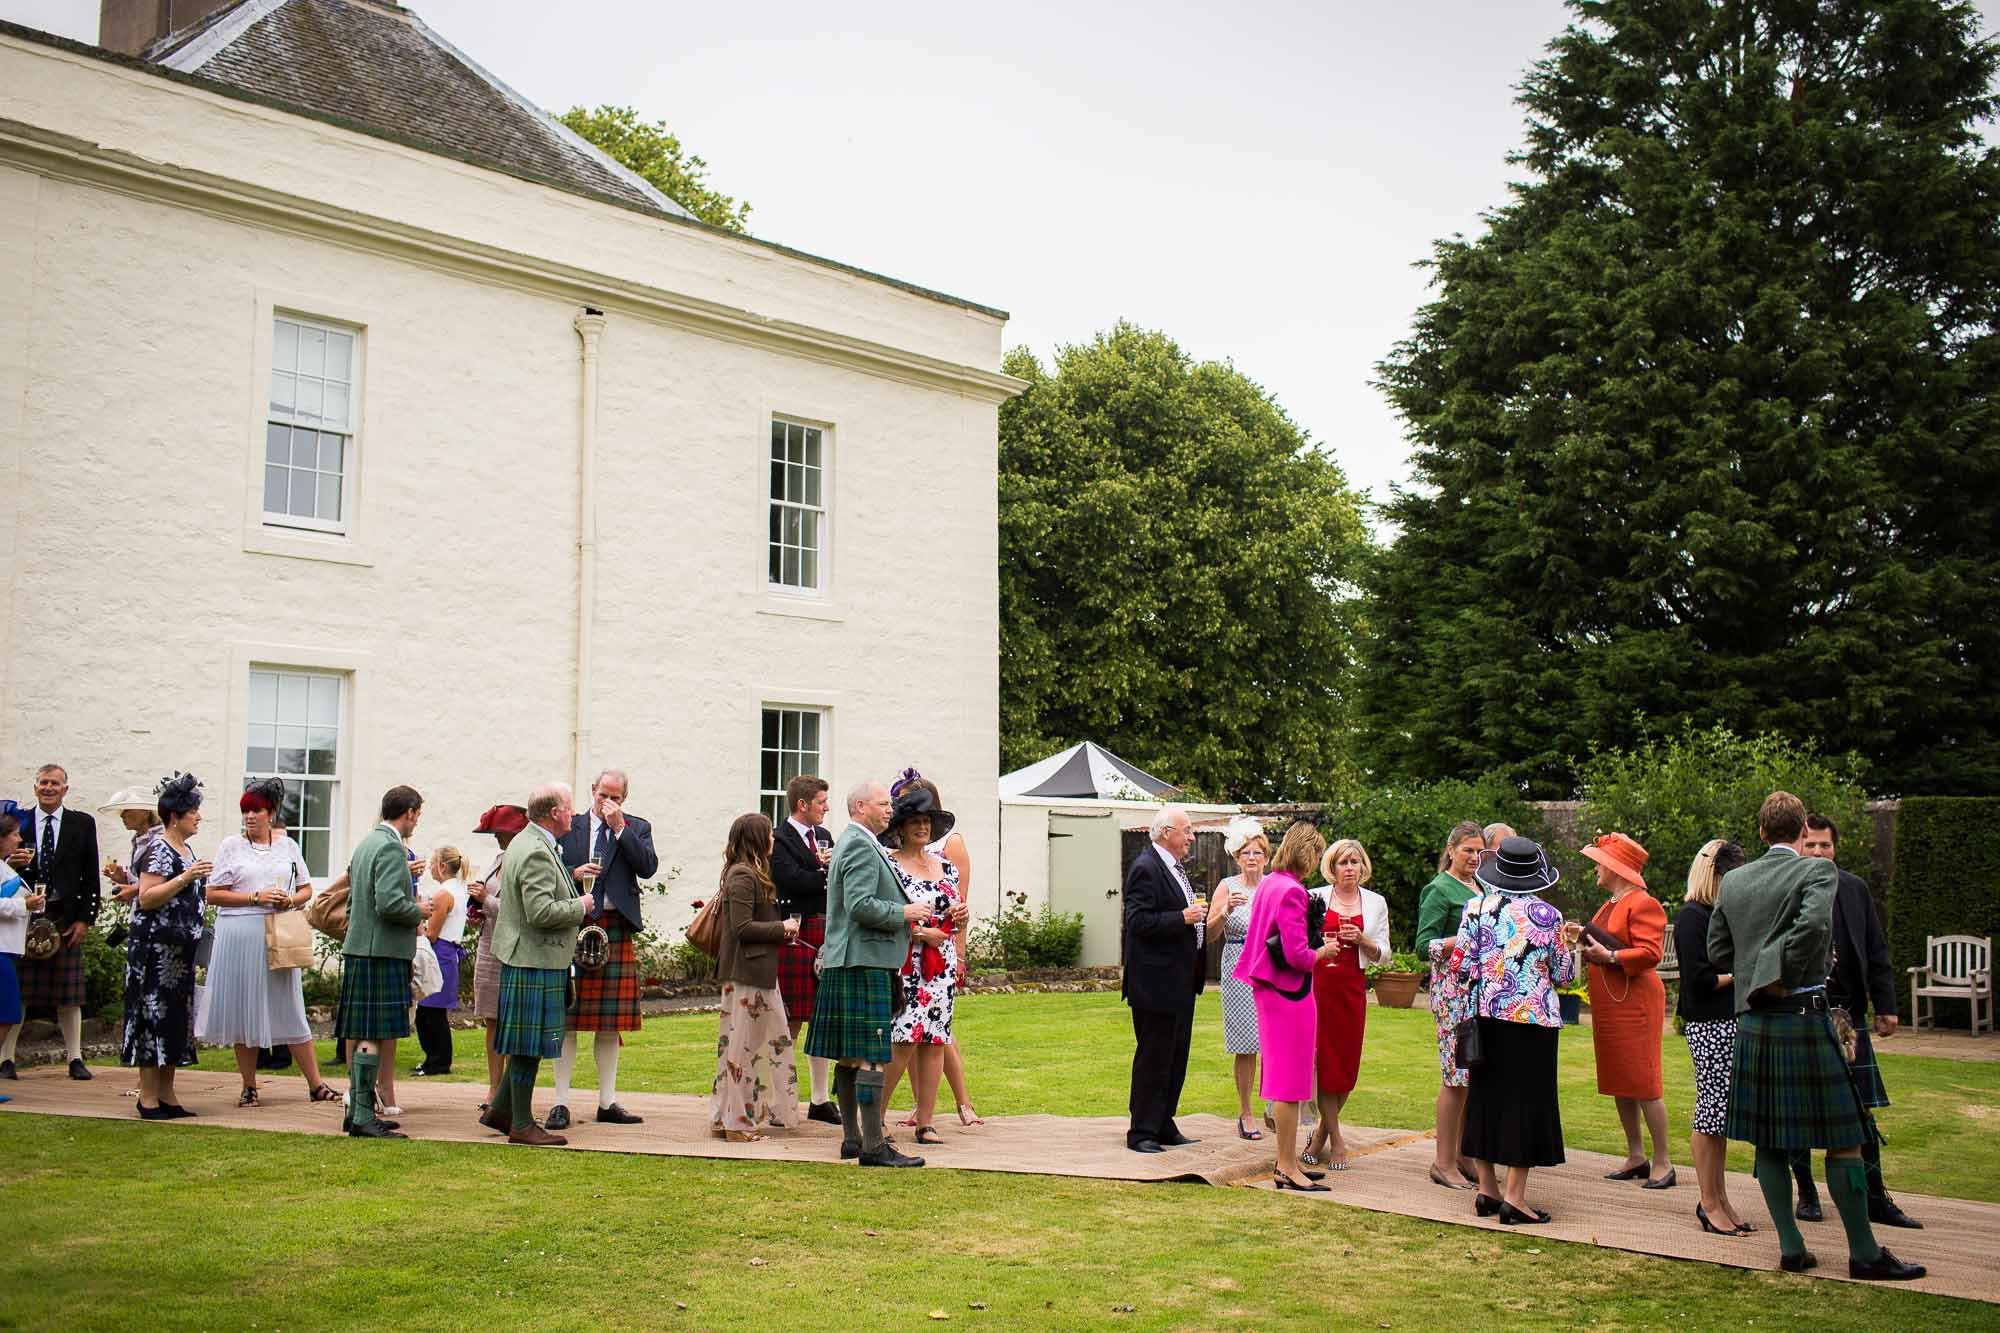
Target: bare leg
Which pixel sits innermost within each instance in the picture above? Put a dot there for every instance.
(1628, 1118)
(168, 1096)
(1286, 1117)
(1450, 1127)
(954, 1074)
(899, 1064)
(926, 1072)
(149, 1087)
(1654, 1109)
(1517, 1187)
(1330, 1106)
(385, 1077)
(1711, 1152)
(307, 1060)
(246, 1065)
(1246, 1085)
(1489, 1184)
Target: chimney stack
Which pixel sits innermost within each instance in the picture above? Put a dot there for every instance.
(130, 26)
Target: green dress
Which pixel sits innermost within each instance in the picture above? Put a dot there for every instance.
(1439, 909)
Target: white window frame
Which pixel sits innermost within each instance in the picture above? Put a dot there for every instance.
(822, 584)
(350, 435)
(336, 781)
(773, 799)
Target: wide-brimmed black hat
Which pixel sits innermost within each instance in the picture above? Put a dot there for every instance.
(913, 802)
(1517, 865)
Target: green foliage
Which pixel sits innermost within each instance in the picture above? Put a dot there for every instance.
(1704, 420)
(1944, 880)
(675, 959)
(1017, 939)
(104, 965)
(1674, 792)
(655, 154)
(1174, 559)
(1404, 828)
(1398, 961)
(321, 985)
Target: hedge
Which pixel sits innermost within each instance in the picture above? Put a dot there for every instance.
(1944, 880)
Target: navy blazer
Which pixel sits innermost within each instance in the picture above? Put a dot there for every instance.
(632, 859)
(1162, 963)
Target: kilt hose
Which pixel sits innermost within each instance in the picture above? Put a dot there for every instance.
(607, 1000)
(852, 1013)
(1789, 1086)
(797, 981)
(55, 982)
(531, 1011)
(375, 999)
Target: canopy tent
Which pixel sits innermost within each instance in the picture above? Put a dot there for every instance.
(1085, 771)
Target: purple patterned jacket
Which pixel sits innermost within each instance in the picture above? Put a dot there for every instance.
(1511, 957)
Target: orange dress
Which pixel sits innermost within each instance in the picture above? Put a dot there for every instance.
(1628, 1002)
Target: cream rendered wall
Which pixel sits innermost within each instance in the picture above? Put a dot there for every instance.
(134, 358)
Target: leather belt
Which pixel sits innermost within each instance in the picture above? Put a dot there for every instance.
(1814, 1003)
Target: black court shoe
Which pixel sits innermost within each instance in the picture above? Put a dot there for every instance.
(1798, 1263)
(1701, 1216)
(1514, 1217)
(1285, 1182)
(1485, 1205)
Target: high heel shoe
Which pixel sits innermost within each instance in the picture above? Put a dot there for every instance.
(1485, 1205)
(967, 1116)
(1666, 1182)
(1439, 1178)
(1243, 1130)
(1514, 1217)
(1639, 1172)
(1701, 1216)
(1285, 1182)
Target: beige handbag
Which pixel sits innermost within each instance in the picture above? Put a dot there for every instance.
(288, 937)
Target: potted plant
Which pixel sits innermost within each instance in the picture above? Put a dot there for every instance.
(1573, 999)
(1396, 980)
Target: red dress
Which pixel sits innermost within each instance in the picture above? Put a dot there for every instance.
(1340, 992)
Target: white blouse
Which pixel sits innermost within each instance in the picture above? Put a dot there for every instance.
(453, 930)
(245, 867)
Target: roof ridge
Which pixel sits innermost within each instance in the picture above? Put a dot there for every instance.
(190, 48)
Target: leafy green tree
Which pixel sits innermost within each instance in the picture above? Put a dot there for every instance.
(655, 153)
(1174, 555)
(1704, 420)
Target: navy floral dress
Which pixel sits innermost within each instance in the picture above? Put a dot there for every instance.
(159, 968)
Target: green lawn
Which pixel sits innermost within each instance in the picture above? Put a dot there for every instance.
(124, 1226)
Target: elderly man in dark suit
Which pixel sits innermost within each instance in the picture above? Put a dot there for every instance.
(1162, 975)
(1789, 1086)
(608, 853)
(1858, 975)
(57, 857)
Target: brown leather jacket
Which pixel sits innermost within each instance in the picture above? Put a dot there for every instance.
(751, 931)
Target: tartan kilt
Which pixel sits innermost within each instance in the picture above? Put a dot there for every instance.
(851, 1015)
(1788, 1087)
(55, 982)
(375, 998)
(607, 1000)
(797, 981)
(1867, 1074)
(531, 1011)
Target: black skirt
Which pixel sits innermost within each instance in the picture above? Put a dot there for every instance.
(1512, 1115)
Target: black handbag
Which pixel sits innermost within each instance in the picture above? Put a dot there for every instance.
(1275, 947)
(1467, 1044)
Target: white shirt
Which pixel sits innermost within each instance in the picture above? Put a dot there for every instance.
(47, 817)
(805, 832)
(453, 929)
(1187, 887)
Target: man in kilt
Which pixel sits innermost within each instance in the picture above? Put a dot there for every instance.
(57, 858)
(382, 921)
(608, 853)
(1857, 975)
(1789, 1084)
(867, 939)
(801, 848)
(534, 939)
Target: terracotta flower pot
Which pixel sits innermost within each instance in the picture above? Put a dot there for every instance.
(1396, 989)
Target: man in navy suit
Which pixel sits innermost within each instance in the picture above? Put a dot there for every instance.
(1162, 974)
(608, 853)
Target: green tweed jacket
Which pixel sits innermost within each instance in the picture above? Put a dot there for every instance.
(382, 911)
(540, 908)
(864, 906)
(1773, 923)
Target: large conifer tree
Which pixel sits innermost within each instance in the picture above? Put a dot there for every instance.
(1704, 421)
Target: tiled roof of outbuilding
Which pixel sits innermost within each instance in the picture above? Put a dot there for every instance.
(377, 67)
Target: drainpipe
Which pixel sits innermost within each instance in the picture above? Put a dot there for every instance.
(589, 329)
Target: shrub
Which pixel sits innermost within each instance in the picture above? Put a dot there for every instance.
(1675, 792)
(104, 964)
(1945, 880)
(664, 959)
(1404, 828)
(1017, 939)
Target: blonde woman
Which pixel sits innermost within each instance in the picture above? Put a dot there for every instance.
(1707, 1007)
(1356, 928)
(1229, 910)
(444, 925)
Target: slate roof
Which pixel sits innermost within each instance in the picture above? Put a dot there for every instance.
(377, 67)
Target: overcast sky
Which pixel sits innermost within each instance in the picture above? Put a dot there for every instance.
(1255, 181)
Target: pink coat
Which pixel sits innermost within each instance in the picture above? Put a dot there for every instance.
(1280, 905)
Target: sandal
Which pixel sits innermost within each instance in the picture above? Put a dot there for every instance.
(933, 1141)
(248, 1097)
(1309, 1157)
(967, 1116)
(1243, 1131)
(326, 1092)
(744, 1136)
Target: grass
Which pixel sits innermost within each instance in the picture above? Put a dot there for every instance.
(205, 1228)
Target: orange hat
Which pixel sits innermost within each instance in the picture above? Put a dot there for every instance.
(1620, 855)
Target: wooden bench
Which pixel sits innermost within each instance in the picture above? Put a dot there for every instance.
(1670, 959)
(1956, 967)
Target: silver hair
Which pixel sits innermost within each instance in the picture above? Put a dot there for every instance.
(1163, 818)
(1494, 832)
(624, 783)
(860, 792)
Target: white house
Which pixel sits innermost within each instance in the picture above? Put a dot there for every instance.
(360, 424)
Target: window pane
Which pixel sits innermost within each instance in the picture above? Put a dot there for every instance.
(325, 762)
(770, 728)
(329, 498)
(788, 768)
(311, 395)
(331, 447)
(795, 483)
(795, 444)
(791, 527)
(812, 448)
(260, 759)
(313, 846)
(305, 448)
(809, 530)
(777, 479)
(291, 750)
(263, 699)
(318, 804)
(305, 493)
(283, 390)
(276, 487)
(312, 351)
(768, 778)
(777, 570)
(322, 740)
(790, 720)
(284, 345)
(777, 439)
(336, 405)
(339, 356)
(292, 696)
(808, 569)
(809, 736)
(323, 709)
(277, 443)
(289, 807)
(812, 486)
(788, 568)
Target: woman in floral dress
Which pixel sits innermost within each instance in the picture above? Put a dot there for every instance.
(755, 1081)
(922, 1027)
(159, 953)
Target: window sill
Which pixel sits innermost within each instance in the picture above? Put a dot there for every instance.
(803, 608)
(301, 545)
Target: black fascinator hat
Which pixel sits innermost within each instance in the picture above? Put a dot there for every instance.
(913, 802)
(178, 794)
